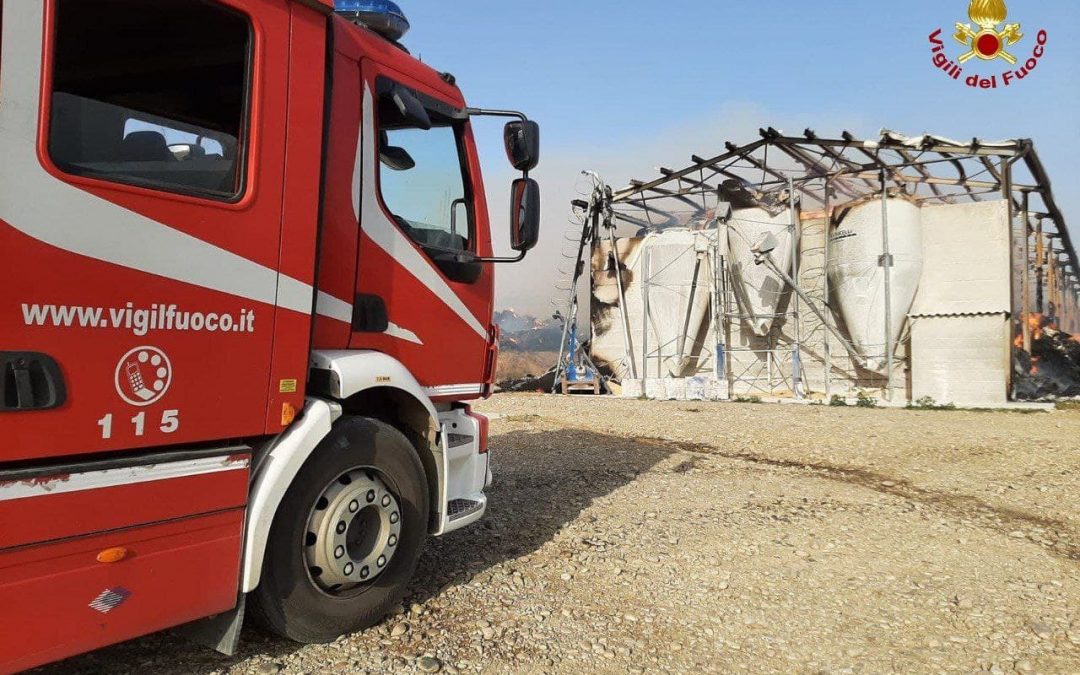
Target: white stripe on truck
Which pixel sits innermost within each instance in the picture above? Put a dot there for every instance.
(131, 475)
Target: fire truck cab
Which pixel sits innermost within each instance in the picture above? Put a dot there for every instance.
(248, 279)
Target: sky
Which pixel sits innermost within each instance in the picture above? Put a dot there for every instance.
(625, 86)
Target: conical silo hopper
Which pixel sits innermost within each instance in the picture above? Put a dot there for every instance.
(679, 297)
(757, 288)
(857, 274)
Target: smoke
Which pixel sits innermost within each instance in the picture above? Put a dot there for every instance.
(531, 285)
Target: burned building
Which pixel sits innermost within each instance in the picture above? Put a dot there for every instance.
(907, 268)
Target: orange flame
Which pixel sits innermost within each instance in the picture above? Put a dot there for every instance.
(1038, 323)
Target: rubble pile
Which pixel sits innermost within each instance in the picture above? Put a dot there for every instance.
(1052, 370)
(531, 383)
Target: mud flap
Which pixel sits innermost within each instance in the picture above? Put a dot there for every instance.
(220, 633)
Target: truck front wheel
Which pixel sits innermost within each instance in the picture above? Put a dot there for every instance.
(347, 536)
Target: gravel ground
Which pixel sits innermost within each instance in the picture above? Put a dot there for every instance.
(629, 536)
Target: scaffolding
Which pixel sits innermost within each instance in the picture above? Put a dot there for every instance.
(819, 175)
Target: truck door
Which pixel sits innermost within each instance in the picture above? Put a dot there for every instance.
(141, 165)
(423, 217)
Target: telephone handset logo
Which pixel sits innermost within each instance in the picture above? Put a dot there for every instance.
(143, 376)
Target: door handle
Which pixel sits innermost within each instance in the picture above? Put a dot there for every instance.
(24, 389)
(30, 381)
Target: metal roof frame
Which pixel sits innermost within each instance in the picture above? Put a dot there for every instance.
(929, 168)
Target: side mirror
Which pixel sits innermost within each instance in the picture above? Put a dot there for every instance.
(523, 145)
(525, 215)
(394, 157)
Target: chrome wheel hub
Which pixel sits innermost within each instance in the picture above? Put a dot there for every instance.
(353, 531)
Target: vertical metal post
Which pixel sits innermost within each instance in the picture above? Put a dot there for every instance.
(886, 262)
(827, 290)
(725, 299)
(1025, 283)
(646, 274)
(1052, 273)
(1068, 323)
(1073, 327)
(714, 306)
(1074, 296)
(1006, 191)
(1063, 282)
(1051, 281)
(772, 379)
(796, 354)
(1040, 275)
(1068, 297)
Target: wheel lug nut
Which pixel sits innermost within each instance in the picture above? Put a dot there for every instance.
(354, 506)
(339, 552)
(382, 560)
(393, 540)
(394, 517)
(349, 569)
(370, 496)
(386, 500)
(364, 572)
(341, 527)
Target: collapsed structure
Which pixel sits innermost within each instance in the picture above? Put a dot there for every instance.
(909, 268)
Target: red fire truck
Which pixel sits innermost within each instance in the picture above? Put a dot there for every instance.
(247, 285)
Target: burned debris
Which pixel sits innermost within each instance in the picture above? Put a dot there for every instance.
(1051, 370)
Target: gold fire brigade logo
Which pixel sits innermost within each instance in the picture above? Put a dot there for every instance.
(989, 43)
(989, 40)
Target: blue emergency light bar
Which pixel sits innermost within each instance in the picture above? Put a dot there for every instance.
(382, 16)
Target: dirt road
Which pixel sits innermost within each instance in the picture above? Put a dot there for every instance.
(629, 536)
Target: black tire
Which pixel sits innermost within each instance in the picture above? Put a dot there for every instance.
(288, 600)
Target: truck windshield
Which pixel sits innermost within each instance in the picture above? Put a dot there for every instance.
(423, 179)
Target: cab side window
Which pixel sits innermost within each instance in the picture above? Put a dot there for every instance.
(152, 94)
(423, 179)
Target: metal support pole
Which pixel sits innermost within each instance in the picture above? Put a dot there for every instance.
(772, 379)
(725, 299)
(827, 291)
(714, 305)
(1006, 192)
(886, 262)
(1051, 282)
(1040, 275)
(1025, 284)
(796, 353)
(1073, 319)
(646, 269)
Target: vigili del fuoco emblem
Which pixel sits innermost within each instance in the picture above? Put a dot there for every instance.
(988, 38)
(989, 43)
